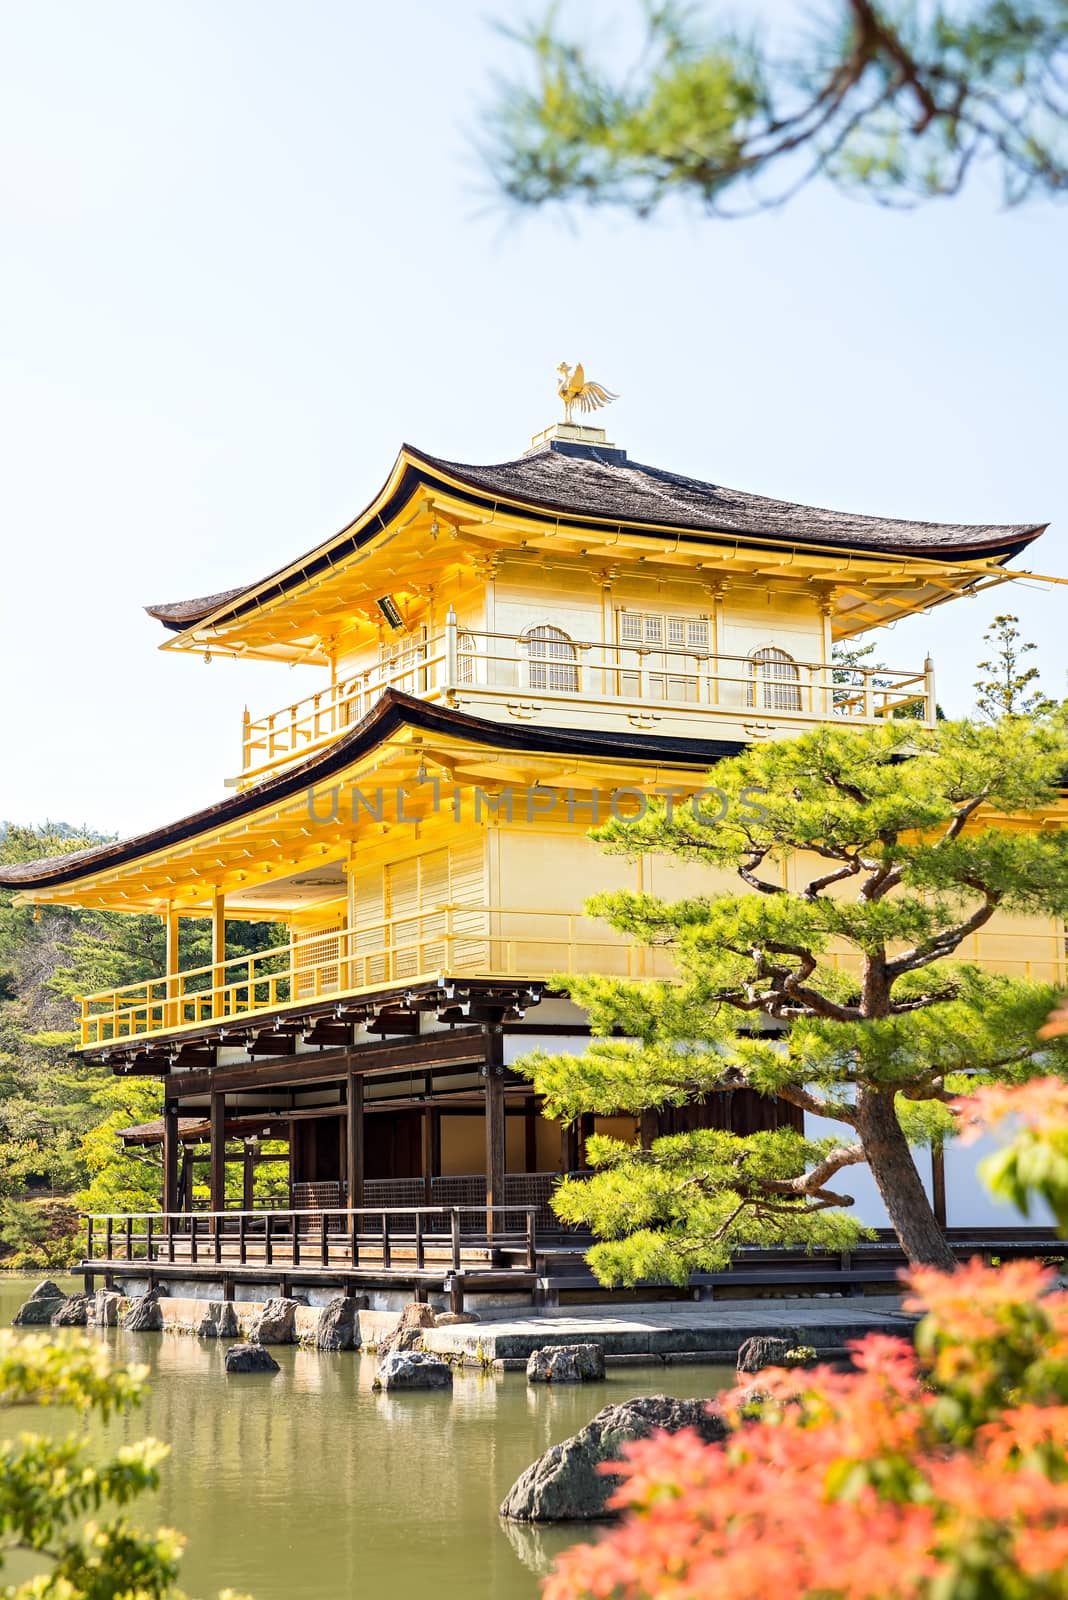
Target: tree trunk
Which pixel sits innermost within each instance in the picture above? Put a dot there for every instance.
(887, 1153)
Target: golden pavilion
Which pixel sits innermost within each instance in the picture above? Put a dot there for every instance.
(505, 655)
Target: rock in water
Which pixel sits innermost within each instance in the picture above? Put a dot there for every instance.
(144, 1315)
(566, 1363)
(41, 1307)
(763, 1351)
(250, 1358)
(274, 1324)
(105, 1308)
(339, 1323)
(73, 1312)
(218, 1322)
(413, 1369)
(564, 1484)
(408, 1334)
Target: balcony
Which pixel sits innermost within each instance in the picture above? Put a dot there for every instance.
(544, 674)
(442, 940)
(449, 941)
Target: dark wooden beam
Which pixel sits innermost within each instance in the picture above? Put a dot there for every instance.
(433, 1049)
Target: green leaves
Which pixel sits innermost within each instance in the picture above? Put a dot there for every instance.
(692, 1200)
(824, 972)
(47, 1485)
(899, 103)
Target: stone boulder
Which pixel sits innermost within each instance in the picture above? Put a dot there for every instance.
(564, 1485)
(218, 1321)
(455, 1319)
(274, 1324)
(408, 1334)
(105, 1309)
(339, 1323)
(144, 1314)
(763, 1351)
(73, 1312)
(250, 1358)
(566, 1363)
(413, 1369)
(41, 1307)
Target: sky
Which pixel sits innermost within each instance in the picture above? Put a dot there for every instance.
(248, 248)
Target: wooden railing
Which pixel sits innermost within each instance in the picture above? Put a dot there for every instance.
(489, 941)
(679, 679)
(392, 1238)
(438, 940)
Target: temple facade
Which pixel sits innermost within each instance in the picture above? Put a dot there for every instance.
(496, 657)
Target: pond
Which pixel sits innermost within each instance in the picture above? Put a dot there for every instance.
(309, 1484)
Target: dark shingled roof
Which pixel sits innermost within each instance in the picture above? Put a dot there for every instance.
(588, 482)
(581, 482)
(391, 712)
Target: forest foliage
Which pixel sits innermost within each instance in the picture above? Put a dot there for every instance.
(59, 1116)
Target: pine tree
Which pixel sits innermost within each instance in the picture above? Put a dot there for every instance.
(1005, 692)
(866, 860)
(904, 103)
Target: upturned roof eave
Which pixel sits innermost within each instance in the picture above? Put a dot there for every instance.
(416, 470)
(395, 710)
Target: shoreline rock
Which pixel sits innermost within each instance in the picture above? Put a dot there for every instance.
(219, 1321)
(41, 1307)
(73, 1312)
(564, 1484)
(413, 1369)
(250, 1358)
(274, 1324)
(144, 1314)
(339, 1323)
(566, 1363)
(415, 1319)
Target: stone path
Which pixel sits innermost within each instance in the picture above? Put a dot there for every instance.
(709, 1333)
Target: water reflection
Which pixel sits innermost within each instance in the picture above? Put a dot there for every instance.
(309, 1483)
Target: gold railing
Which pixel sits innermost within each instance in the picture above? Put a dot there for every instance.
(683, 681)
(449, 939)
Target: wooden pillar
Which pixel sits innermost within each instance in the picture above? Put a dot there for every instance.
(648, 1128)
(495, 1137)
(218, 950)
(938, 1183)
(569, 1148)
(248, 1179)
(586, 1128)
(354, 1144)
(185, 1182)
(431, 1134)
(170, 1155)
(218, 1151)
(530, 1134)
(171, 927)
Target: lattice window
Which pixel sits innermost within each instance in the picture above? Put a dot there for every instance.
(465, 656)
(774, 680)
(403, 660)
(667, 676)
(651, 628)
(316, 962)
(552, 660)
